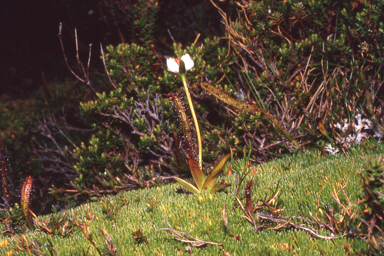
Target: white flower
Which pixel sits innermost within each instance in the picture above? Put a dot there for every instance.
(173, 65)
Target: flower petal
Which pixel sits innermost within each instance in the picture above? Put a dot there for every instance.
(187, 61)
(172, 66)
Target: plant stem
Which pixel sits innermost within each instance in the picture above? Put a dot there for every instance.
(184, 80)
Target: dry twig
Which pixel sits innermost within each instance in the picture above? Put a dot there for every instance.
(187, 238)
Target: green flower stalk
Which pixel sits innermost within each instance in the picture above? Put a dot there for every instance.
(181, 66)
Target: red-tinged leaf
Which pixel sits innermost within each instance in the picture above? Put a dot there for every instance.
(187, 185)
(229, 171)
(248, 199)
(24, 201)
(197, 173)
(346, 248)
(211, 180)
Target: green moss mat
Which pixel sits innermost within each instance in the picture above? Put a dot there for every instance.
(304, 180)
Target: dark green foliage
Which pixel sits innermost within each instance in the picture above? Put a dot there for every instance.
(161, 22)
(310, 63)
(13, 220)
(373, 203)
(11, 213)
(374, 187)
(15, 121)
(135, 21)
(111, 210)
(57, 225)
(136, 125)
(300, 63)
(39, 134)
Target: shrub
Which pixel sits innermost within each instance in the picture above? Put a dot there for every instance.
(312, 65)
(306, 78)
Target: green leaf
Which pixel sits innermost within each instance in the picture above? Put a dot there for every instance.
(187, 185)
(211, 180)
(218, 188)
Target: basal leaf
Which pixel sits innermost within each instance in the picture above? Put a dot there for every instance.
(211, 180)
(219, 187)
(187, 185)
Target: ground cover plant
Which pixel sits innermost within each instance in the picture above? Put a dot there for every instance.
(269, 209)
